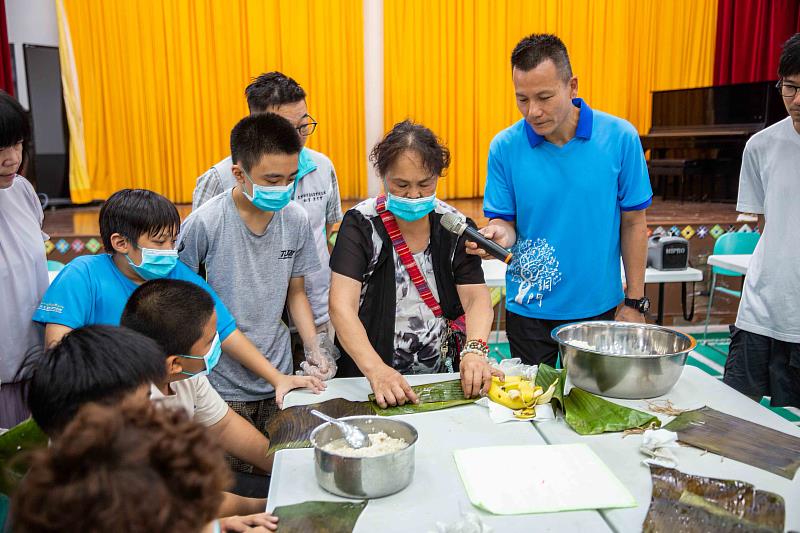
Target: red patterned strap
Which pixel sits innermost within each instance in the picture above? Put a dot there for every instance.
(406, 256)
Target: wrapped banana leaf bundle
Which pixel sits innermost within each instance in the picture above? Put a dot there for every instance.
(292, 427)
(739, 439)
(588, 414)
(320, 517)
(432, 397)
(688, 504)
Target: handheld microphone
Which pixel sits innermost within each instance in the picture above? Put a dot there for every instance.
(454, 224)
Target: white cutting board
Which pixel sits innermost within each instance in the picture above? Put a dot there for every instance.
(508, 480)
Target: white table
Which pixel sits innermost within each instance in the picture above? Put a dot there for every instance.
(695, 389)
(437, 493)
(735, 262)
(494, 272)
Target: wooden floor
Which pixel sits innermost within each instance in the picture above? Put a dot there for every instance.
(82, 221)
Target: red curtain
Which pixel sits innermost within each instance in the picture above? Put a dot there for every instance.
(749, 38)
(6, 76)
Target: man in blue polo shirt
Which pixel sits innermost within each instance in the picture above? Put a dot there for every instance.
(567, 187)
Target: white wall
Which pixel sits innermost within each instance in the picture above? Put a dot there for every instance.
(29, 22)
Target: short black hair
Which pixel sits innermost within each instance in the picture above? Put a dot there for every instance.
(272, 89)
(172, 312)
(408, 135)
(14, 124)
(135, 212)
(789, 63)
(536, 48)
(262, 134)
(91, 364)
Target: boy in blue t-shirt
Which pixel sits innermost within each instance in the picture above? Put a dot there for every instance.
(139, 229)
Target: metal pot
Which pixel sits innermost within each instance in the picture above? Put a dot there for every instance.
(628, 360)
(364, 477)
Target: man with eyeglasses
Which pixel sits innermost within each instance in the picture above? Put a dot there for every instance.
(316, 189)
(764, 355)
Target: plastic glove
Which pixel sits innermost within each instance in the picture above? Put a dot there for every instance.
(320, 359)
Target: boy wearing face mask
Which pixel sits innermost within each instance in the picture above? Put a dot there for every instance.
(180, 317)
(139, 229)
(256, 246)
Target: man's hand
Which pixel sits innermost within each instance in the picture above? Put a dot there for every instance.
(250, 523)
(629, 314)
(390, 387)
(476, 375)
(288, 383)
(499, 234)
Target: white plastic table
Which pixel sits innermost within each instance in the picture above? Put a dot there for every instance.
(694, 390)
(494, 272)
(735, 262)
(436, 493)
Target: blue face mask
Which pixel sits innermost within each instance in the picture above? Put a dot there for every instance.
(155, 263)
(410, 209)
(272, 198)
(211, 358)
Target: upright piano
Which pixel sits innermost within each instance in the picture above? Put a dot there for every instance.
(702, 131)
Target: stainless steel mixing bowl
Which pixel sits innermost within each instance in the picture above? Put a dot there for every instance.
(364, 477)
(623, 360)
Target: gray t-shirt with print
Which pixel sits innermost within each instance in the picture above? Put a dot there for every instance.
(316, 191)
(251, 274)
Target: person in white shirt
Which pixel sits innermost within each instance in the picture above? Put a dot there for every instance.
(316, 189)
(181, 318)
(23, 264)
(764, 355)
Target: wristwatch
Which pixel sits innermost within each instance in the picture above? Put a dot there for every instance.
(642, 304)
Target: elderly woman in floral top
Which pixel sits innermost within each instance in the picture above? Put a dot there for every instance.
(401, 283)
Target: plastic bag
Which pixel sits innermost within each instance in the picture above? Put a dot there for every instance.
(469, 523)
(515, 367)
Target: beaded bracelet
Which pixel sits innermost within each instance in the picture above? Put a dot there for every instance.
(478, 345)
(479, 353)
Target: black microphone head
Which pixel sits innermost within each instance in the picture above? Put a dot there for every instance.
(453, 223)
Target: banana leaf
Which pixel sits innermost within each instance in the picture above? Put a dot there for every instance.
(23, 437)
(432, 397)
(686, 503)
(320, 517)
(292, 427)
(588, 414)
(739, 439)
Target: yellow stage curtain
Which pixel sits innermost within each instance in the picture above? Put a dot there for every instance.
(155, 86)
(447, 63)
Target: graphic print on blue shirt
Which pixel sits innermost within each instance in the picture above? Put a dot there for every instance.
(533, 271)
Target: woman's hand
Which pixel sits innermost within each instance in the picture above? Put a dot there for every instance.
(288, 383)
(253, 522)
(476, 374)
(390, 387)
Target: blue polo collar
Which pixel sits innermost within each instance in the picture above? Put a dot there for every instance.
(583, 131)
(305, 165)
